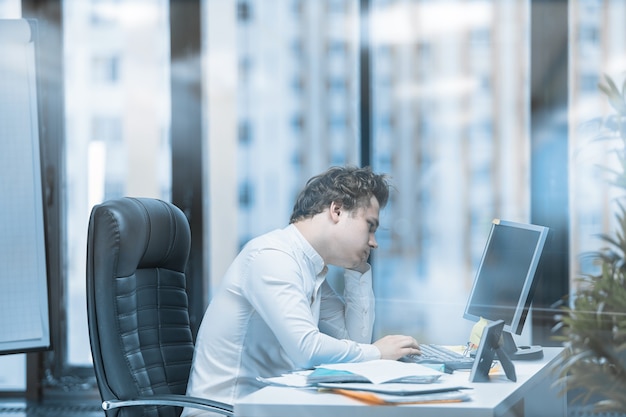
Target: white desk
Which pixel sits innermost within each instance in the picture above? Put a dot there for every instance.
(533, 395)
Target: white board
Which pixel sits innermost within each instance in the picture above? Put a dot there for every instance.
(24, 316)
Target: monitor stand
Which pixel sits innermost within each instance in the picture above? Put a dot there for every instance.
(520, 353)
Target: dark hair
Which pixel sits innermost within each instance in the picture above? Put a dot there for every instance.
(351, 187)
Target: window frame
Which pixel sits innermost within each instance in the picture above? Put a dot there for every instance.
(549, 197)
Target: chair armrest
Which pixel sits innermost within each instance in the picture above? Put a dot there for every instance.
(172, 400)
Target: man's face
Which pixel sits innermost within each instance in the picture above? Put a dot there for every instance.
(355, 237)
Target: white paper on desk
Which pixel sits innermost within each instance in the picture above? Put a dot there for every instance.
(295, 380)
(385, 370)
(392, 388)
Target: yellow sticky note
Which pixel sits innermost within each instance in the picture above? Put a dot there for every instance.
(477, 332)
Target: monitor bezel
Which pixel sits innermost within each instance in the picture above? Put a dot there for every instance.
(525, 298)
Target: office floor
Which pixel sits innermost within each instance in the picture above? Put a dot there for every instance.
(21, 409)
(90, 408)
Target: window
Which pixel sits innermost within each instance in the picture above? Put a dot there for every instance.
(450, 168)
(114, 144)
(449, 118)
(598, 50)
(105, 69)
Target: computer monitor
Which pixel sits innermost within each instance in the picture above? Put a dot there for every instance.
(505, 281)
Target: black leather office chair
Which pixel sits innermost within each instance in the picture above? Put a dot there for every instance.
(141, 339)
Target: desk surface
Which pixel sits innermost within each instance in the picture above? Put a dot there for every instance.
(533, 394)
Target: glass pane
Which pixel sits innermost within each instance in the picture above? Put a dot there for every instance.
(450, 120)
(13, 372)
(598, 38)
(297, 98)
(10, 9)
(294, 114)
(117, 124)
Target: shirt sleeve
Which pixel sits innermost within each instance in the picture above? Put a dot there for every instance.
(275, 287)
(351, 316)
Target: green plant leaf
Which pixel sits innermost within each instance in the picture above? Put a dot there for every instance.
(593, 327)
(616, 100)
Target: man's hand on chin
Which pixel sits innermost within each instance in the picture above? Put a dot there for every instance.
(362, 267)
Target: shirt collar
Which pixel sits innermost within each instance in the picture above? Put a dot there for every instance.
(308, 250)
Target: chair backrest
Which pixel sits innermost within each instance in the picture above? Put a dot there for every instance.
(141, 338)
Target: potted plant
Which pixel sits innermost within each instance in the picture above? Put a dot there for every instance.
(593, 365)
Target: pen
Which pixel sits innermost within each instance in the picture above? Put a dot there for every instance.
(373, 399)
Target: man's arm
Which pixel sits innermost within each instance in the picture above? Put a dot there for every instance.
(275, 288)
(351, 316)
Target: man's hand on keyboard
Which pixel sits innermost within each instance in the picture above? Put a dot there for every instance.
(396, 346)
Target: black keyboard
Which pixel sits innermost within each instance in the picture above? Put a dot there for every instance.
(438, 354)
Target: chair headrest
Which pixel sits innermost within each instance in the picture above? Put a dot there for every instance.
(145, 233)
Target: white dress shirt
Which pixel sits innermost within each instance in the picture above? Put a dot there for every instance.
(274, 313)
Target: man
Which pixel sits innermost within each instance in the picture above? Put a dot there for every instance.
(275, 312)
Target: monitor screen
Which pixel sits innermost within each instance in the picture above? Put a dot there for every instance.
(505, 279)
